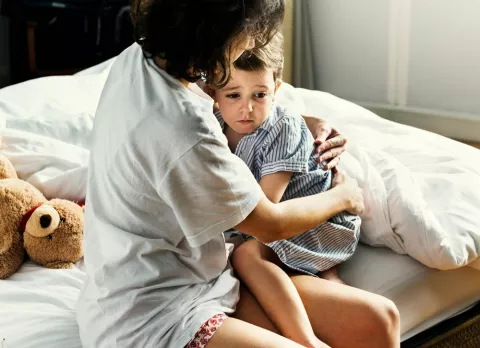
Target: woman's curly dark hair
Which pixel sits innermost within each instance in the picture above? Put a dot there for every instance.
(195, 37)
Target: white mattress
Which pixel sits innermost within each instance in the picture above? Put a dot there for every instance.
(45, 126)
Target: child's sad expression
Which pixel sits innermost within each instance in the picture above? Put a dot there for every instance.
(246, 101)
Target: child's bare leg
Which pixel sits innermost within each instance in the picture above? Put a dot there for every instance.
(257, 266)
(332, 275)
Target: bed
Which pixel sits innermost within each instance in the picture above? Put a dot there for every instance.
(44, 130)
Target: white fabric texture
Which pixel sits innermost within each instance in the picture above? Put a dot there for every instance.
(48, 123)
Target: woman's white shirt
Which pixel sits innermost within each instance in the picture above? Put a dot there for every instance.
(163, 186)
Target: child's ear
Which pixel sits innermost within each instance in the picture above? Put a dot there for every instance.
(278, 83)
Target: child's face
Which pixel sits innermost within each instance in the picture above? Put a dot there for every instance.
(245, 102)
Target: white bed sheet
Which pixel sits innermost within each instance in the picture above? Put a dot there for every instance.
(40, 123)
(37, 307)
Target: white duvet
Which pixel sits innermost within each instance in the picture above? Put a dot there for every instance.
(422, 190)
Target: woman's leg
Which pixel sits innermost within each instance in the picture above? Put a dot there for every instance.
(257, 266)
(345, 317)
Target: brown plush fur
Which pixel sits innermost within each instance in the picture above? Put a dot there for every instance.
(17, 197)
(6, 168)
(63, 247)
(60, 249)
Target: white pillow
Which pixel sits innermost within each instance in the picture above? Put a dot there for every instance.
(46, 128)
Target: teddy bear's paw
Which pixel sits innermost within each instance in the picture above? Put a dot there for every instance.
(59, 265)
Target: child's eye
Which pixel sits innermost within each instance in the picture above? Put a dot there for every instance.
(260, 95)
(233, 96)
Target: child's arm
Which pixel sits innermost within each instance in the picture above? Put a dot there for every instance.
(274, 185)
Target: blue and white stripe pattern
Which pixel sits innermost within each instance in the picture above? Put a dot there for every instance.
(284, 143)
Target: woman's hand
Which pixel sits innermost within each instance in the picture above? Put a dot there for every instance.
(331, 144)
(352, 193)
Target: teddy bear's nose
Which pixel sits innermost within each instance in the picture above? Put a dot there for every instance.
(45, 221)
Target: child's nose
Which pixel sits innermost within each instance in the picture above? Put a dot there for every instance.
(247, 107)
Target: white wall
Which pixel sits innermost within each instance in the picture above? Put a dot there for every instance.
(445, 55)
(350, 47)
(413, 61)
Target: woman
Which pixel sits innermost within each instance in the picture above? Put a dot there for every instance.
(163, 186)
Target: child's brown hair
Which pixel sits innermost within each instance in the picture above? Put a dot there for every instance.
(268, 57)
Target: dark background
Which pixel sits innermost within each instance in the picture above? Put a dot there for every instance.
(41, 38)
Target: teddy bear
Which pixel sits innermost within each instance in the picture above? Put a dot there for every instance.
(49, 232)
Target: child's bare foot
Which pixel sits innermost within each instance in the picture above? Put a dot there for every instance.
(332, 275)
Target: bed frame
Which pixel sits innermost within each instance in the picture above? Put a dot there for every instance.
(462, 331)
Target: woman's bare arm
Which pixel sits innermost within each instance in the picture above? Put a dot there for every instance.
(270, 221)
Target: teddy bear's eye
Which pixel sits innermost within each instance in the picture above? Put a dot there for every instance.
(62, 219)
(49, 237)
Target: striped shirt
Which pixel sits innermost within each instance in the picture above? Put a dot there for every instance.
(283, 143)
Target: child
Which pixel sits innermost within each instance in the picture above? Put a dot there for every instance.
(279, 150)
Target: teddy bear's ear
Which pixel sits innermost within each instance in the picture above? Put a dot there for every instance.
(6, 168)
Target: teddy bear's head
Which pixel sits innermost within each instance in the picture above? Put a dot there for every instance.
(53, 234)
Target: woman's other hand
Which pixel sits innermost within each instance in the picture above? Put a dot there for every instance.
(330, 143)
